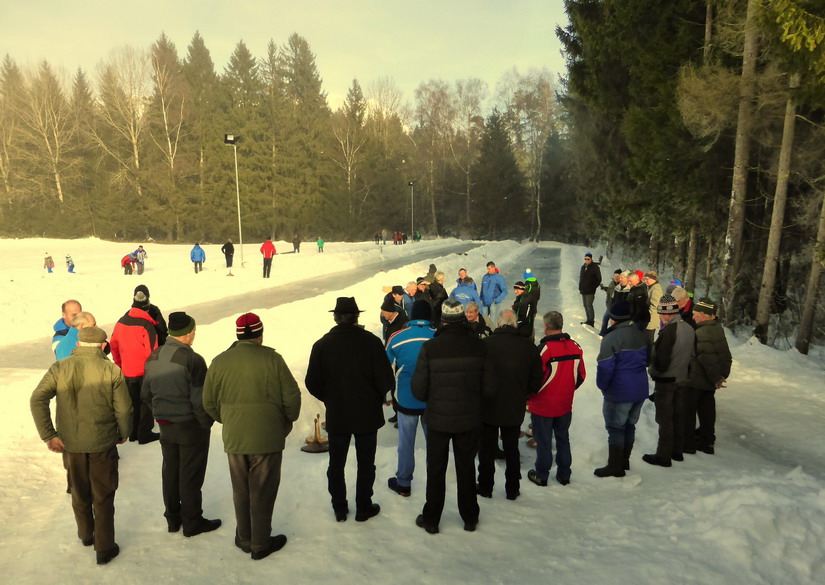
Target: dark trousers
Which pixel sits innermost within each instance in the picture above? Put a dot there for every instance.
(267, 267)
(669, 399)
(589, 314)
(228, 260)
(142, 421)
(365, 445)
(140, 268)
(487, 458)
(185, 448)
(702, 404)
(255, 482)
(198, 266)
(94, 480)
(438, 455)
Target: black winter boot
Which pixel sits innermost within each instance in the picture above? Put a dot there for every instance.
(614, 467)
(628, 449)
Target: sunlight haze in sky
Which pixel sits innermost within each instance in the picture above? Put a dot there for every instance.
(412, 42)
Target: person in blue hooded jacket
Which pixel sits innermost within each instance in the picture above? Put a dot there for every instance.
(198, 257)
(466, 292)
(493, 291)
(402, 351)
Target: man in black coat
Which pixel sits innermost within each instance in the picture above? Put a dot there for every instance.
(639, 304)
(349, 372)
(451, 374)
(590, 278)
(228, 251)
(154, 312)
(393, 315)
(518, 371)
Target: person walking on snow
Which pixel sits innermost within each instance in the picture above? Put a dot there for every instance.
(198, 257)
(48, 263)
(268, 251)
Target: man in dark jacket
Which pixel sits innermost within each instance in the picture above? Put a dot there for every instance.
(639, 304)
(154, 312)
(590, 278)
(349, 372)
(518, 373)
(393, 313)
(134, 338)
(622, 377)
(709, 372)
(438, 295)
(669, 365)
(173, 389)
(251, 392)
(228, 251)
(451, 374)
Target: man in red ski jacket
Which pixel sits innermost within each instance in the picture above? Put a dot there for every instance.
(551, 409)
(133, 340)
(268, 250)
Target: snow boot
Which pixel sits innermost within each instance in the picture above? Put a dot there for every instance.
(614, 467)
(628, 449)
(654, 459)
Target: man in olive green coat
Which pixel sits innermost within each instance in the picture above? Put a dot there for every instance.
(250, 390)
(94, 415)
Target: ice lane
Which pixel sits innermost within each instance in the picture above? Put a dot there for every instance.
(546, 265)
(38, 354)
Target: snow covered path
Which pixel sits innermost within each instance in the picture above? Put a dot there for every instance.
(753, 514)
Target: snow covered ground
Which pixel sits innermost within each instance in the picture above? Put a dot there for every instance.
(754, 513)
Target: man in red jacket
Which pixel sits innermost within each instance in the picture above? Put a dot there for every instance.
(133, 340)
(551, 409)
(268, 250)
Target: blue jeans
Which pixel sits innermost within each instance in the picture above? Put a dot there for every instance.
(544, 429)
(407, 428)
(620, 420)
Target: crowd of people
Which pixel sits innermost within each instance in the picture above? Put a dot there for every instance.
(462, 366)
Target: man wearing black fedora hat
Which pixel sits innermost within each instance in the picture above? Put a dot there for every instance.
(349, 372)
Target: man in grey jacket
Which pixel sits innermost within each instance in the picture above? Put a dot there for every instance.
(94, 415)
(173, 389)
(669, 368)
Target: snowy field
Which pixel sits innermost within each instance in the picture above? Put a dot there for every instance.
(754, 513)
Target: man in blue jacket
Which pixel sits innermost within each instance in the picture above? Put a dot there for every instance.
(402, 350)
(198, 257)
(493, 291)
(466, 292)
(622, 377)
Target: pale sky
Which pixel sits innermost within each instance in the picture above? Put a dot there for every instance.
(411, 42)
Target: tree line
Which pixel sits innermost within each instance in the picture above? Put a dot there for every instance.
(137, 151)
(697, 131)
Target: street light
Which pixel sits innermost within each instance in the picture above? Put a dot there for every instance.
(412, 221)
(232, 140)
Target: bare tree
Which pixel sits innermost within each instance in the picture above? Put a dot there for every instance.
(12, 89)
(469, 125)
(123, 89)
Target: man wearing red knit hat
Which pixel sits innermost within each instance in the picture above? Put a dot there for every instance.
(250, 390)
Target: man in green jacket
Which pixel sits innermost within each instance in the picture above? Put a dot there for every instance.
(94, 415)
(250, 390)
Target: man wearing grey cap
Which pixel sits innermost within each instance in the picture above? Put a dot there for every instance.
(173, 389)
(94, 415)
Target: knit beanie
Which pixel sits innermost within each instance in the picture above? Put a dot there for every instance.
(640, 274)
(180, 324)
(141, 301)
(528, 274)
(452, 311)
(421, 309)
(620, 311)
(667, 305)
(142, 288)
(249, 326)
(520, 285)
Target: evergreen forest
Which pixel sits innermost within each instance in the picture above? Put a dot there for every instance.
(690, 131)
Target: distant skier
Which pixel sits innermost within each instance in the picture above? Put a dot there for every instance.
(48, 263)
(69, 263)
(198, 257)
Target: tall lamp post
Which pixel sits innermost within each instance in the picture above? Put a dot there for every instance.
(232, 140)
(412, 200)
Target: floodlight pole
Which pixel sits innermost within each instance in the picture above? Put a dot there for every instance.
(232, 139)
(412, 208)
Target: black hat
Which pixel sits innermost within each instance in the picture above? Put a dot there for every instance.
(180, 324)
(398, 290)
(620, 311)
(421, 309)
(141, 300)
(142, 288)
(706, 306)
(452, 311)
(346, 305)
(520, 285)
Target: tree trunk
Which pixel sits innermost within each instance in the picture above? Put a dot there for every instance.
(744, 127)
(690, 271)
(806, 324)
(709, 270)
(763, 308)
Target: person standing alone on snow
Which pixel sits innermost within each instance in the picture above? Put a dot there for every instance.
(228, 251)
(198, 257)
(590, 278)
(493, 291)
(268, 251)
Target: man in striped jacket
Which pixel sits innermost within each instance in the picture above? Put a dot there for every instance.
(551, 409)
